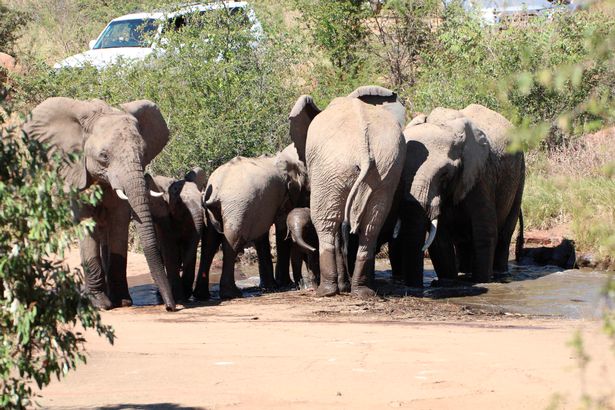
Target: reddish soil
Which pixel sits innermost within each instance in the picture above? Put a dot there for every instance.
(292, 350)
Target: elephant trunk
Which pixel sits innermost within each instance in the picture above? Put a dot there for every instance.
(430, 203)
(138, 198)
(297, 235)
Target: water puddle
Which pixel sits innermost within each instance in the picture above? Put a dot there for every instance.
(532, 290)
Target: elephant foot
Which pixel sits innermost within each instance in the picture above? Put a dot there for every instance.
(481, 278)
(100, 300)
(363, 292)
(344, 286)
(201, 294)
(283, 281)
(502, 277)
(327, 289)
(123, 303)
(230, 292)
(269, 286)
(307, 284)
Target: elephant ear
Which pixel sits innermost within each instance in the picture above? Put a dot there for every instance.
(158, 205)
(300, 117)
(152, 127)
(474, 157)
(64, 124)
(293, 171)
(198, 176)
(376, 95)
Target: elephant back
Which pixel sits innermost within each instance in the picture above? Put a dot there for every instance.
(493, 124)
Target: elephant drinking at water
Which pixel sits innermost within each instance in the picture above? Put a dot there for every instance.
(114, 146)
(460, 176)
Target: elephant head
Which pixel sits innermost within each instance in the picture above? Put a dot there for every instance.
(446, 153)
(180, 200)
(305, 110)
(114, 146)
(293, 170)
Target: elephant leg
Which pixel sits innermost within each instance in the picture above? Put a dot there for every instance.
(228, 288)
(465, 256)
(92, 265)
(395, 258)
(414, 226)
(313, 269)
(265, 265)
(117, 243)
(484, 234)
(209, 246)
(296, 261)
(283, 245)
(442, 254)
(505, 233)
(362, 277)
(343, 281)
(189, 265)
(328, 266)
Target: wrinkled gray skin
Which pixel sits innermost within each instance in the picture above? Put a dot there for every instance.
(355, 153)
(115, 145)
(179, 222)
(304, 248)
(459, 173)
(243, 198)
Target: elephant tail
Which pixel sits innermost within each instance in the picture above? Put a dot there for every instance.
(211, 203)
(367, 162)
(520, 239)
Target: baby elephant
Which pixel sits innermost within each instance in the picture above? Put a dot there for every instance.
(303, 234)
(179, 221)
(243, 198)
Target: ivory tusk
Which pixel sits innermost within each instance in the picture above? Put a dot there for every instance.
(156, 194)
(432, 235)
(121, 194)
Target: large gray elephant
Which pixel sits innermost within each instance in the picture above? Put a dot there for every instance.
(114, 146)
(460, 176)
(354, 151)
(243, 199)
(179, 221)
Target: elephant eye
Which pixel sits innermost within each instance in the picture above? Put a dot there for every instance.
(103, 157)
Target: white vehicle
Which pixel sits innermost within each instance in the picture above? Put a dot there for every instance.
(496, 11)
(129, 37)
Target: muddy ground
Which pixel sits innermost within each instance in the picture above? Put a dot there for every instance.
(292, 350)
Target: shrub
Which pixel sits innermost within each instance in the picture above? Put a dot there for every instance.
(41, 301)
(222, 95)
(12, 24)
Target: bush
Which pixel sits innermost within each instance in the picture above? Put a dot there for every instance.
(41, 301)
(12, 24)
(222, 95)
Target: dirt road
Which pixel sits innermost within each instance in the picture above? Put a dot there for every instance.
(291, 350)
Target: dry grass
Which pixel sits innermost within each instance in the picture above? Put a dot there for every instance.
(572, 185)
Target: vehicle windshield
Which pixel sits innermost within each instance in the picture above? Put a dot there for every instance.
(127, 33)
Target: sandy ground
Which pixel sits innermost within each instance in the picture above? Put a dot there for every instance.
(291, 350)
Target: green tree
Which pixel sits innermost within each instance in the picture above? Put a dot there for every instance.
(338, 28)
(41, 301)
(12, 24)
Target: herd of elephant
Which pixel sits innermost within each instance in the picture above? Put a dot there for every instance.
(354, 178)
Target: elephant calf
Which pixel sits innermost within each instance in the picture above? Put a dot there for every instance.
(179, 221)
(243, 198)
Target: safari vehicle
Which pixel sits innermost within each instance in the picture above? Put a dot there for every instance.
(511, 11)
(135, 36)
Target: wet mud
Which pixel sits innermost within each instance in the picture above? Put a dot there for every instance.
(545, 291)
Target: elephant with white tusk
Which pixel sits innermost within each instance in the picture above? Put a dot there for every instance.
(354, 151)
(464, 187)
(114, 147)
(242, 199)
(179, 219)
